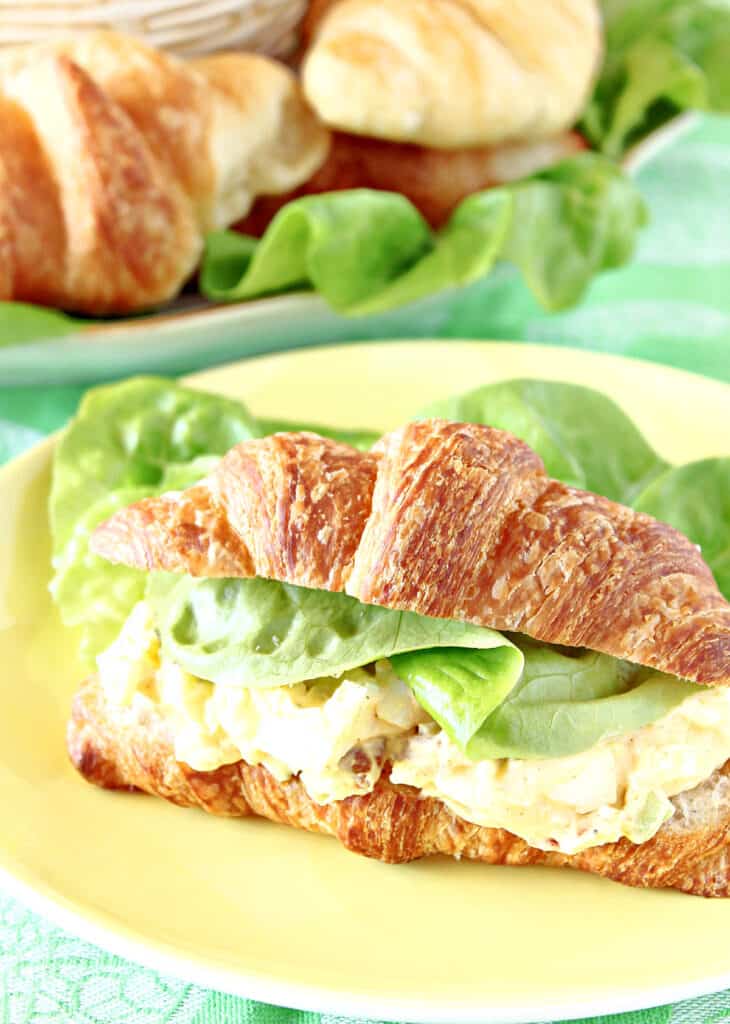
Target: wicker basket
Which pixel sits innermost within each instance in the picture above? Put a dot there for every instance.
(187, 27)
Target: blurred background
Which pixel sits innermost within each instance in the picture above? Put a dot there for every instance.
(615, 238)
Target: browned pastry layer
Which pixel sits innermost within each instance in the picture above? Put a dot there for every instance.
(119, 748)
(434, 180)
(135, 230)
(116, 159)
(297, 505)
(458, 521)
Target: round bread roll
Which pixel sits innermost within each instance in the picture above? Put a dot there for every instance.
(451, 73)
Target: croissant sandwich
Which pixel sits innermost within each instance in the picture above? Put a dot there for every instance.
(116, 160)
(427, 647)
(438, 99)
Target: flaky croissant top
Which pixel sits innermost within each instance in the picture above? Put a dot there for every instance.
(452, 520)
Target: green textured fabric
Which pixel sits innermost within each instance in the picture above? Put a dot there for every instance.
(671, 305)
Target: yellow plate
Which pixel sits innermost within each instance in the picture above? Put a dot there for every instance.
(286, 917)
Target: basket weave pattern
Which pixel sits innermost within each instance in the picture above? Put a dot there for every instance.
(188, 27)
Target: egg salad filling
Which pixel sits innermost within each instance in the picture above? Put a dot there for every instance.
(337, 734)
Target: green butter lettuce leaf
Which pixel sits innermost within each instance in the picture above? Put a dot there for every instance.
(125, 435)
(460, 688)
(179, 475)
(562, 728)
(565, 702)
(22, 324)
(695, 499)
(345, 245)
(546, 728)
(128, 441)
(89, 591)
(262, 633)
(582, 436)
(661, 56)
(93, 593)
(570, 222)
(464, 250)
(366, 251)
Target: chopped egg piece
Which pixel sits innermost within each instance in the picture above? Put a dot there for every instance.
(129, 665)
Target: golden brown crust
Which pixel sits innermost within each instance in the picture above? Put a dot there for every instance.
(180, 530)
(118, 232)
(465, 525)
(119, 748)
(289, 507)
(465, 72)
(32, 229)
(460, 522)
(117, 159)
(170, 107)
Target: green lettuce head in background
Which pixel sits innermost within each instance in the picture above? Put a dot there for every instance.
(662, 56)
(126, 442)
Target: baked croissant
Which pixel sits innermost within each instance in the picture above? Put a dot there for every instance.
(451, 520)
(447, 519)
(115, 160)
(451, 73)
(462, 127)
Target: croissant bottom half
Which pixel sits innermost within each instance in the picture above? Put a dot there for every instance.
(119, 747)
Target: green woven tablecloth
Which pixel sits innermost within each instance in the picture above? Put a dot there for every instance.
(672, 305)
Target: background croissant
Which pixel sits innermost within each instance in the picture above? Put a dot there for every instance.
(451, 73)
(115, 160)
(438, 99)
